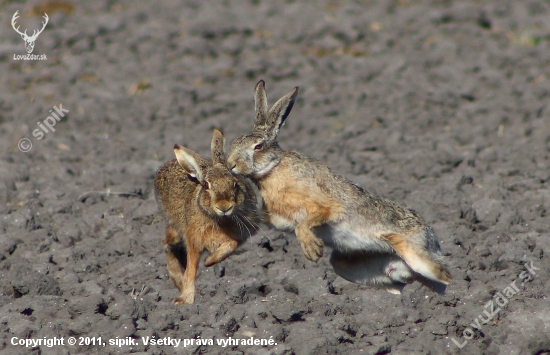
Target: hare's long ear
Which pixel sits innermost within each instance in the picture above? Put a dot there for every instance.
(260, 106)
(218, 142)
(193, 163)
(279, 112)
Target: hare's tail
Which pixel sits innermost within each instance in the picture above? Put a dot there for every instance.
(423, 257)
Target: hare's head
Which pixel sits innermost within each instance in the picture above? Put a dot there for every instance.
(221, 194)
(257, 152)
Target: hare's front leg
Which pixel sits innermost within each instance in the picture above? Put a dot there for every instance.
(187, 294)
(311, 245)
(221, 253)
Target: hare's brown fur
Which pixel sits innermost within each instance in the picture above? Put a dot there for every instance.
(217, 219)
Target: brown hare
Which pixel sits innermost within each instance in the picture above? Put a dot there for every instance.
(205, 208)
(304, 195)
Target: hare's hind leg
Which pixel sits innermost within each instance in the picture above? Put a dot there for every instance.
(221, 253)
(386, 271)
(418, 259)
(175, 256)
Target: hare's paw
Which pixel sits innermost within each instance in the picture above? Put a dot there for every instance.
(398, 271)
(312, 247)
(221, 253)
(178, 301)
(184, 299)
(211, 260)
(187, 295)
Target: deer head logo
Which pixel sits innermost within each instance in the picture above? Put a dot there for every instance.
(29, 40)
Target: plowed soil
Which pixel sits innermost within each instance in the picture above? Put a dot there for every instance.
(438, 105)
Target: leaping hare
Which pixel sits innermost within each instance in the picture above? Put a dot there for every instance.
(304, 195)
(206, 208)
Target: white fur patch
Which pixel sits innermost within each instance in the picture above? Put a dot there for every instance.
(266, 169)
(282, 223)
(422, 267)
(386, 271)
(345, 238)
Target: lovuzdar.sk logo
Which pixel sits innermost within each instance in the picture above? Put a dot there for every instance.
(29, 40)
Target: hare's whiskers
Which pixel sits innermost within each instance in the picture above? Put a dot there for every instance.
(244, 225)
(257, 228)
(237, 222)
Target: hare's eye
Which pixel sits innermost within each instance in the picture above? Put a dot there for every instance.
(207, 185)
(259, 146)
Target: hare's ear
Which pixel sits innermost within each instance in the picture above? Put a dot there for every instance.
(260, 106)
(279, 112)
(218, 142)
(193, 163)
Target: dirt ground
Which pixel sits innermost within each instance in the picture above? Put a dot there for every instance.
(438, 105)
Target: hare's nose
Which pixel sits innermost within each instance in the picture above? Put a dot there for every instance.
(232, 167)
(225, 210)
